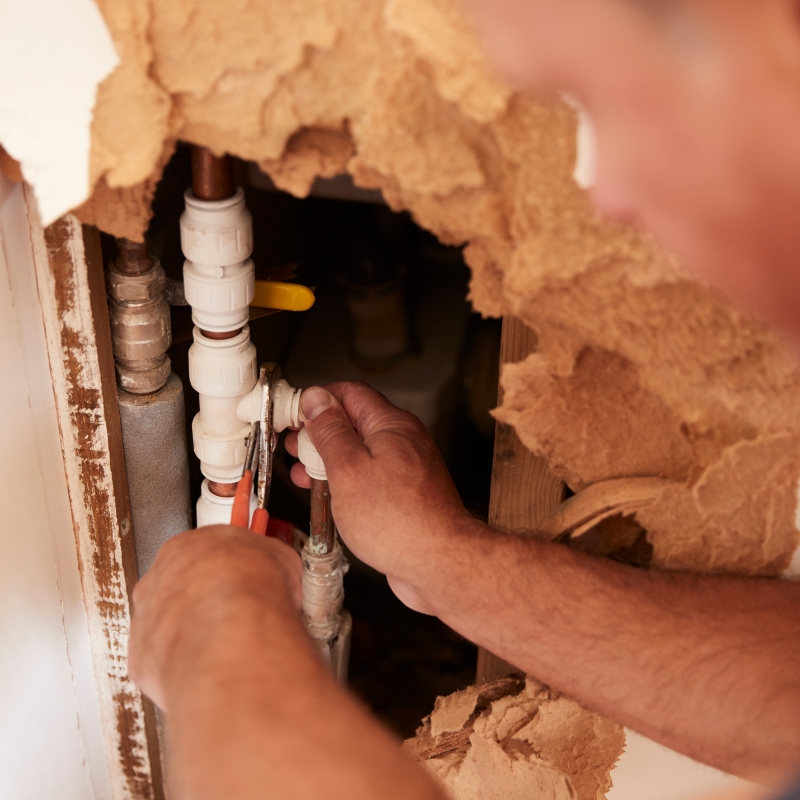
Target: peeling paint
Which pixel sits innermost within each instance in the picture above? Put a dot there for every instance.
(62, 277)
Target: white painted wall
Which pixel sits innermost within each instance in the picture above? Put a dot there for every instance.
(51, 743)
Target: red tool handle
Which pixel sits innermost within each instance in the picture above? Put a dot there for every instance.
(260, 521)
(281, 529)
(240, 515)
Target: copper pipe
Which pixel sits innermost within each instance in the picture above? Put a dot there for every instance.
(219, 335)
(222, 489)
(323, 529)
(134, 258)
(212, 176)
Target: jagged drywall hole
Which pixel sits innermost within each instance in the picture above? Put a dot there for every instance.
(398, 95)
(640, 372)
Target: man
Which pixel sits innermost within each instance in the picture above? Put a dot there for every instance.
(696, 107)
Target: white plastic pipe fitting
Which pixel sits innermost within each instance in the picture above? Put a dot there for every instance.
(285, 407)
(223, 371)
(219, 284)
(214, 510)
(219, 275)
(309, 457)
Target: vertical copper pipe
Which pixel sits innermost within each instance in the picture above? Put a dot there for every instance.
(323, 530)
(212, 176)
(134, 258)
(222, 489)
(220, 335)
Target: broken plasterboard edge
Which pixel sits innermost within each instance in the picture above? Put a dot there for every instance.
(53, 56)
(647, 769)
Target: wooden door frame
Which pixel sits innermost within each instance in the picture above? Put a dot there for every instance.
(69, 273)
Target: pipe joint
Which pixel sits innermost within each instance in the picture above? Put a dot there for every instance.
(222, 371)
(223, 367)
(285, 406)
(141, 330)
(219, 275)
(323, 592)
(309, 457)
(135, 288)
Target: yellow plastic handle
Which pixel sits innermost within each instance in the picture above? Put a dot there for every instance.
(283, 296)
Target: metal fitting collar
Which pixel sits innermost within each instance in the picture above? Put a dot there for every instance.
(135, 288)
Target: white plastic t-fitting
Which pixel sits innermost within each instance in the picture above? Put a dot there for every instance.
(285, 406)
(222, 371)
(218, 275)
(309, 457)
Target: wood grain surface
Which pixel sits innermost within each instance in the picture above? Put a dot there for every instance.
(524, 490)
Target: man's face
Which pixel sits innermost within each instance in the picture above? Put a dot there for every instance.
(696, 106)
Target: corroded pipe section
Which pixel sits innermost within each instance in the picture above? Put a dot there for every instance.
(323, 530)
(133, 257)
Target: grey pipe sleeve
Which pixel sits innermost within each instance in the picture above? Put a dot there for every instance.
(157, 462)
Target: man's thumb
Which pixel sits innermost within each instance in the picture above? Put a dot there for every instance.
(329, 427)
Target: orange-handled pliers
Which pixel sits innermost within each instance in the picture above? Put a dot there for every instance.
(240, 514)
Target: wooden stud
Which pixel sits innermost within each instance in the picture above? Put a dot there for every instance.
(524, 490)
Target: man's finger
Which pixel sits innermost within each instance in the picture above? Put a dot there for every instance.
(368, 410)
(330, 429)
(290, 443)
(300, 477)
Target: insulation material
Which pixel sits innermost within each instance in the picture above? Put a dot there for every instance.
(124, 212)
(514, 739)
(640, 372)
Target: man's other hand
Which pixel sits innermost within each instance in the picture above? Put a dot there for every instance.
(392, 497)
(207, 587)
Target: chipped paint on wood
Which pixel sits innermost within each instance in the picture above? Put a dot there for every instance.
(62, 275)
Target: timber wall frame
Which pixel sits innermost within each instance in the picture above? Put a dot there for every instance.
(524, 491)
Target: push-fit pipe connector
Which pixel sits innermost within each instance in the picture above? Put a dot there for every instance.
(219, 275)
(285, 406)
(223, 371)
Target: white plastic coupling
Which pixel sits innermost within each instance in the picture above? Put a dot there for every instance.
(222, 371)
(285, 406)
(214, 510)
(309, 457)
(218, 275)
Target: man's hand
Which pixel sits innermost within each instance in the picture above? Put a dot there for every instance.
(205, 587)
(217, 642)
(682, 659)
(392, 498)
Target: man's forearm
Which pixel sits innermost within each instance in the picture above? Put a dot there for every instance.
(257, 714)
(682, 659)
